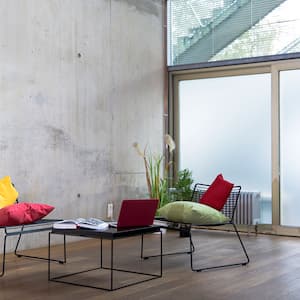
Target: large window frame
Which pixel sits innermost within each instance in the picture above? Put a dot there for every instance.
(272, 67)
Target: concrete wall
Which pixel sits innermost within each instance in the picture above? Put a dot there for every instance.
(80, 81)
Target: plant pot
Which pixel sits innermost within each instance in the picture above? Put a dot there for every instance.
(184, 231)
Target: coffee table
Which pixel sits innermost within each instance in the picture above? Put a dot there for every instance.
(110, 234)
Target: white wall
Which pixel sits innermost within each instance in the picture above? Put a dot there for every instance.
(80, 81)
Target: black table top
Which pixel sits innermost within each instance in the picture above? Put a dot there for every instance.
(109, 233)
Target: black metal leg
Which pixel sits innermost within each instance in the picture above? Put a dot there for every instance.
(3, 256)
(18, 242)
(161, 253)
(49, 254)
(111, 264)
(101, 257)
(221, 266)
(111, 268)
(65, 251)
(242, 245)
(49, 259)
(18, 254)
(187, 234)
(142, 246)
(20, 232)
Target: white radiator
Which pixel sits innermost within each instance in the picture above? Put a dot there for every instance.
(248, 209)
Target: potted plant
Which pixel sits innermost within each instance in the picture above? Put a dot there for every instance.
(156, 175)
(183, 185)
(183, 191)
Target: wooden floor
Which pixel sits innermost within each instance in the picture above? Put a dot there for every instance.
(273, 273)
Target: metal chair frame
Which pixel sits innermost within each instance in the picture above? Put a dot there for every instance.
(228, 210)
(20, 230)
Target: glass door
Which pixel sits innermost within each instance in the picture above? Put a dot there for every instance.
(289, 147)
(224, 126)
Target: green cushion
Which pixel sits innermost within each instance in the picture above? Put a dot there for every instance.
(191, 212)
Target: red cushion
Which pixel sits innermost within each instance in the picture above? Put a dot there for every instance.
(217, 194)
(23, 213)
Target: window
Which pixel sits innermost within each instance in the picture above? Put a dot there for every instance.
(208, 31)
(233, 107)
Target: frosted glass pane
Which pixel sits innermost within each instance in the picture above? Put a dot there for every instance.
(225, 128)
(290, 147)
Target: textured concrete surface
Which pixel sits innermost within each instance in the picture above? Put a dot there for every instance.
(80, 81)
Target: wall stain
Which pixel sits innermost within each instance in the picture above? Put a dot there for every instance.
(39, 99)
(3, 146)
(93, 162)
(151, 7)
(58, 138)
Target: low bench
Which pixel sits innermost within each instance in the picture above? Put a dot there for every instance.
(20, 230)
(19, 218)
(43, 224)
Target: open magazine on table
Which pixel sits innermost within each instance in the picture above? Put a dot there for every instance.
(91, 223)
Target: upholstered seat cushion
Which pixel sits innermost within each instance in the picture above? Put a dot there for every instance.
(192, 213)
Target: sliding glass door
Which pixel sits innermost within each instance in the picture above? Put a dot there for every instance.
(224, 126)
(244, 122)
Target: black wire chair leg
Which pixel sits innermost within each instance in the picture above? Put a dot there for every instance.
(242, 245)
(221, 266)
(18, 242)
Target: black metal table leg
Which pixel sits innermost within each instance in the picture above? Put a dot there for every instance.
(111, 236)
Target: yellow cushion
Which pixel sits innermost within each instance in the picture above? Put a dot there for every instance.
(8, 194)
